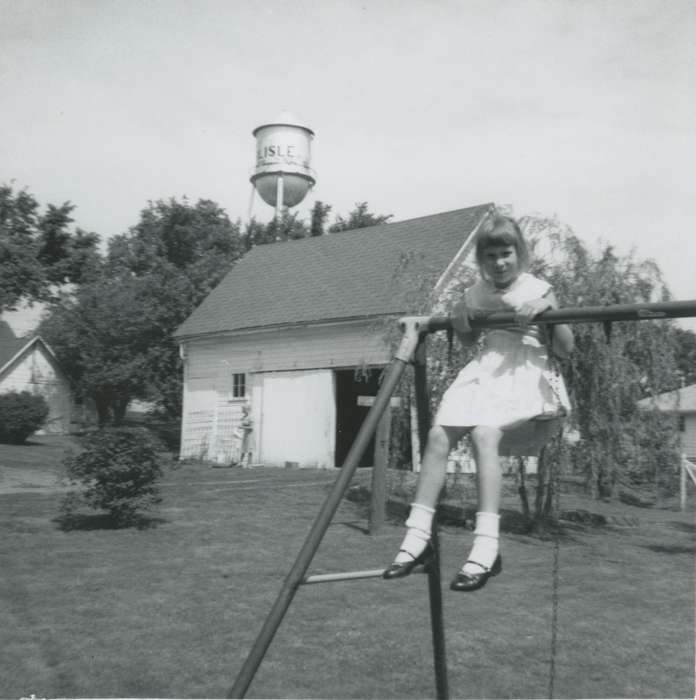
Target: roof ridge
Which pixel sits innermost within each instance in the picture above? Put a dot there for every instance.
(488, 205)
(384, 225)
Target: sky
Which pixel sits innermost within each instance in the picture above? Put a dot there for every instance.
(582, 110)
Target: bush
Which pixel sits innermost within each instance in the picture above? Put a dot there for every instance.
(21, 414)
(119, 468)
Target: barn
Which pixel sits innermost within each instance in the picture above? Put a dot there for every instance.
(28, 364)
(283, 333)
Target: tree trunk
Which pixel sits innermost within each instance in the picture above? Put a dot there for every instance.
(103, 412)
(118, 409)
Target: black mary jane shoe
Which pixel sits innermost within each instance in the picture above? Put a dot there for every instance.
(399, 570)
(472, 582)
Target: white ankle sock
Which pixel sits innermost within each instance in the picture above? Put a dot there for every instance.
(419, 525)
(485, 548)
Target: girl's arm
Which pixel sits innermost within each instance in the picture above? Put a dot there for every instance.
(562, 342)
(460, 323)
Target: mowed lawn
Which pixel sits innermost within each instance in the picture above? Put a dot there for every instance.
(172, 610)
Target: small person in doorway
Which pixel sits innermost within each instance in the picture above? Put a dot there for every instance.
(510, 382)
(247, 428)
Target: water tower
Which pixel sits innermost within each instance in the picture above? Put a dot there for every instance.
(283, 175)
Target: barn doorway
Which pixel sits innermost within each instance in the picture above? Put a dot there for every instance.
(349, 415)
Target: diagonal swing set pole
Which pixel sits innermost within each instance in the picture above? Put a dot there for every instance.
(415, 328)
(297, 574)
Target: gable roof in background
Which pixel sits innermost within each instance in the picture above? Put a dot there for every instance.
(12, 349)
(339, 276)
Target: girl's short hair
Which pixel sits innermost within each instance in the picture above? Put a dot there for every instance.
(499, 230)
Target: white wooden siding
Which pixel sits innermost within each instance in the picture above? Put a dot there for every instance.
(297, 348)
(210, 413)
(688, 437)
(36, 371)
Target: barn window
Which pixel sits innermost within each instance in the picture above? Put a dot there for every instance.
(238, 386)
(682, 424)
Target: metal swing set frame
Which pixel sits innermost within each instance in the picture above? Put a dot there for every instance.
(412, 349)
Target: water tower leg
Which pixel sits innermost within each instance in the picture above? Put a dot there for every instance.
(251, 202)
(279, 197)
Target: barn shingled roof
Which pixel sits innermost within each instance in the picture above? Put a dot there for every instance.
(340, 276)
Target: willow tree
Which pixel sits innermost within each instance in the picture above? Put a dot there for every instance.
(613, 366)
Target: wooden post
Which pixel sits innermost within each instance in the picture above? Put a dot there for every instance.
(682, 483)
(378, 491)
(379, 474)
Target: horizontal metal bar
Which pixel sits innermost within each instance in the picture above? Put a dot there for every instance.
(345, 576)
(579, 314)
(352, 575)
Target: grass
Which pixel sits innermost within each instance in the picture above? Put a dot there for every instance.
(172, 610)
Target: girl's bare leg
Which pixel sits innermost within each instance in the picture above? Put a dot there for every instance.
(441, 440)
(486, 442)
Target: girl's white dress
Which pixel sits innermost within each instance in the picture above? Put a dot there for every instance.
(511, 380)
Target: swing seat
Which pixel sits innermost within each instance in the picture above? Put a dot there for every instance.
(526, 440)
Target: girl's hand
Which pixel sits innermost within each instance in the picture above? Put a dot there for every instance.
(529, 310)
(460, 318)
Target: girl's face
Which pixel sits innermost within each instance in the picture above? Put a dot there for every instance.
(500, 264)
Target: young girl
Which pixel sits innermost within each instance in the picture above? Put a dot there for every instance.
(506, 385)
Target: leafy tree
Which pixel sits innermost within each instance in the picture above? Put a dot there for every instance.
(102, 336)
(21, 274)
(114, 338)
(38, 252)
(66, 257)
(54, 234)
(317, 218)
(288, 227)
(360, 217)
(613, 366)
(197, 240)
(180, 252)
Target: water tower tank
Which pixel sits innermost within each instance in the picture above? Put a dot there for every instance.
(283, 156)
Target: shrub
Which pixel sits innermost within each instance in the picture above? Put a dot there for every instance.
(119, 468)
(21, 414)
